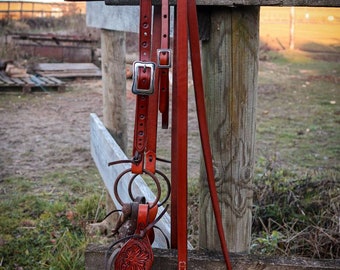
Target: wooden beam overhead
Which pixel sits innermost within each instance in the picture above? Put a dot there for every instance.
(235, 3)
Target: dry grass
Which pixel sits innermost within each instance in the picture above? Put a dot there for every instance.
(312, 26)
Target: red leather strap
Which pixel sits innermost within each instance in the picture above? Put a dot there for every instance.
(145, 30)
(143, 217)
(174, 146)
(150, 161)
(165, 29)
(202, 121)
(164, 61)
(164, 97)
(137, 252)
(188, 8)
(181, 67)
(144, 81)
(151, 218)
(142, 103)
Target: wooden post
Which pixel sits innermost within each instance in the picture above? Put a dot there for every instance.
(114, 91)
(230, 66)
(114, 85)
(292, 28)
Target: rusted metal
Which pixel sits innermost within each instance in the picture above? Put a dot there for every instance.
(153, 177)
(64, 48)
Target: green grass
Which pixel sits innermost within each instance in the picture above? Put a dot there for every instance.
(297, 162)
(295, 216)
(298, 117)
(43, 221)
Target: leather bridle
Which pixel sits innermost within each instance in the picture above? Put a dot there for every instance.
(152, 88)
(186, 29)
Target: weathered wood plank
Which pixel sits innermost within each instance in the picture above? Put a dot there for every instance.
(81, 67)
(56, 81)
(43, 80)
(104, 149)
(67, 70)
(114, 85)
(36, 82)
(6, 79)
(18, 81)
(74, 74)
(114, 88)
(28, 82)
(200, 260)
(124, 17)
(230, 63)
(235, 3)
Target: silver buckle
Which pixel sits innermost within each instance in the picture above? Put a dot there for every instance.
(144, 65)
(164, 51)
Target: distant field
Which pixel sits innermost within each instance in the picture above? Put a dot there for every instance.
(315, 28)
(21, 10)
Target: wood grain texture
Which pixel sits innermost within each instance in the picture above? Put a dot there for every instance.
(234, 3)
(122, 15)
(114, 101)
(166, 259)
(114, 85)
(230, 61)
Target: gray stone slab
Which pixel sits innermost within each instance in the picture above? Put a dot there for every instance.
(119, 18)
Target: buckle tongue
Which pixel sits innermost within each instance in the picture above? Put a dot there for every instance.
(143, 78)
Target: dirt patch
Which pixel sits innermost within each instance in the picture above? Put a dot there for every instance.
(42, 132)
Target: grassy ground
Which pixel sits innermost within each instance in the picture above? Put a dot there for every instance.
(296, 199)
(43, 224)
(299, 110)
(297, 188)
